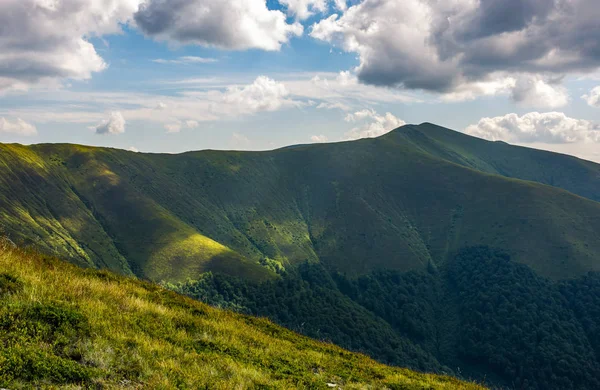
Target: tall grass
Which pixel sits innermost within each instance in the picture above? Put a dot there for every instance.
(63, 326)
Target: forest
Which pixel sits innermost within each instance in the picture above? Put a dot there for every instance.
(480, 316)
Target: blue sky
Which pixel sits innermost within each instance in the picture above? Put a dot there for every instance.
(159, 76)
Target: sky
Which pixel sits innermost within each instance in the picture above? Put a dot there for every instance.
(171, 76)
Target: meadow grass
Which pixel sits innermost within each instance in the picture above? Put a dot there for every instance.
(62, 326)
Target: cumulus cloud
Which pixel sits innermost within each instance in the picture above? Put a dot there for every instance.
(264, 94)
(303, 9)
(18, 127)
(533, 91)
(371, 124)
(133, 149)
(319, 138)
(442, 45)
(115, 124)
(535, 127)
(44, 41)
(226, 24)
(593, 97)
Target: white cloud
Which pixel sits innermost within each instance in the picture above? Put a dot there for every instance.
(133, 149)
(264, 94)
(335, 105)
(341, 5)
(593, 97)
(186, 60)
(175, 127)
(467, 48)
(43, 42)
(373, 124)
(535, 127)
(226, 24)
(319, 138)
(186, 108)
(496, 84)
(533, 91)
(342, 90)
(303, 9)
(18, 127)
(115, 124)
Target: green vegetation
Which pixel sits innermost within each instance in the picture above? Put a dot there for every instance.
(308, 301)
(380, 246)
(480, 316)
(63, 326)
(403, 202)
(570, 173)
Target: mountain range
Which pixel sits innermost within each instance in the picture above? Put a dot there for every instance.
(425, 247)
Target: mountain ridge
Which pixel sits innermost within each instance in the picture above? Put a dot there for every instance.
(170, 217)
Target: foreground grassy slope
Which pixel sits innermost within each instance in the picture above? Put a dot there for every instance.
(386, 203)
(61, 325)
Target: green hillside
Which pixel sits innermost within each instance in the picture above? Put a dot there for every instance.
(481, 315)
(570, 173)
(357, 206)
(424, 248)
(64, 326)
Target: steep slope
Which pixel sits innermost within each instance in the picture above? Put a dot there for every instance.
(570, 173)
(383, 203)
(480, 314)
(64, 326)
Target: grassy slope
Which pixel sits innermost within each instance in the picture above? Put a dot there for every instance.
(570, 173)
(63, 325)
(395, 202)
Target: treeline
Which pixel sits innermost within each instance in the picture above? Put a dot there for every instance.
(481, 316)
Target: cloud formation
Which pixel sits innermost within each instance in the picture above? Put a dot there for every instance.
(593, 97)
(303, 9)
(535, 127)
(176, 126)
(443, 45)
(115, 124)
(226, 24)
(372, 124)
(18, 127)
(264, 94)
(43, 41)
(534, 91)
